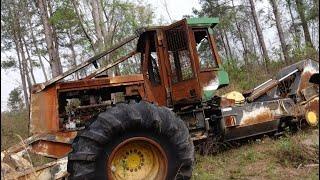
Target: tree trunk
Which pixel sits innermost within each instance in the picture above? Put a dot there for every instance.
(15, 32)
(29, 60)
(280, 31)
(252, 45)
(22, 73)
(24, 62)
(19, 37)
(245, 50)
(39, 57)
(54, 59)
(260, 35)
(96, 21)
(252, 40)
(81, 22)
(104, 32)
(34, 42)
(228, 44)
(55, 39)
(304, 23)
(73, 53)
(224, 46)
(296, 31)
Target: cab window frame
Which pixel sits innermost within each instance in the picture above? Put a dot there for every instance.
(149, 64)
(213, 52)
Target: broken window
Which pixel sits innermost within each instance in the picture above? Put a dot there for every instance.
(203, 46)
(153, 68)
(179, 55)
(153, 73)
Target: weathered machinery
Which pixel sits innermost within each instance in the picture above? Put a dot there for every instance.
(142, 126)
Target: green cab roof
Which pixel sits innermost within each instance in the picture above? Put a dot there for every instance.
(203, 21)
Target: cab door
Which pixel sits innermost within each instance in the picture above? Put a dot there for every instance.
(153, 71)
(184, 82)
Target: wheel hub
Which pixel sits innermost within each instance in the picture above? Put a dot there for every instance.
(137, 158)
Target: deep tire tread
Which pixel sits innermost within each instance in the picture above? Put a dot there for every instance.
(122, 118)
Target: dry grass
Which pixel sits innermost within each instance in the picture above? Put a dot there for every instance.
(283, 158)
(14, 126)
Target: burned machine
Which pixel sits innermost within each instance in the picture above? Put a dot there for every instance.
(142, 126)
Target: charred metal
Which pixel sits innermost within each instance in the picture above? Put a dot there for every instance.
(180, 69)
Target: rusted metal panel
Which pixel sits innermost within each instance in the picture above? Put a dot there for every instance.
(225, 102)
(14, 166)
(83, 83)
(133, 90)
(256, 118)
(187, 90)
(298, 81)
(51, 149)
(206, 76)
(309, 68)
(230, 121)
(257, 115)
(59, 137)
(153, 92)
(165, 77)
(313, 105)
(101, 82)
(310, 92)
(234, 133)
(44, 112)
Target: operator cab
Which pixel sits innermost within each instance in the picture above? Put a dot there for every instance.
(180, 62)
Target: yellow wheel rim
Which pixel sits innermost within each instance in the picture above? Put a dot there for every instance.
(312, 118)
(137, 158)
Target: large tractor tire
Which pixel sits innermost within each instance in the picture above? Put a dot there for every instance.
(133, 141)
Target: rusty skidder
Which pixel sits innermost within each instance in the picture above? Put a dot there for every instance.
(143, 126)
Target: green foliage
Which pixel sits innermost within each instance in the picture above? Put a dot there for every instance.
(15, 102)
(8, 64)
(64, 17)
(304, 52)
(239, 75)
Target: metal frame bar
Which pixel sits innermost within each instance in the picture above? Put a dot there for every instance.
(89, 61)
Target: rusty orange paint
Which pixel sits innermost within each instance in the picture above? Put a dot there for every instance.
(304, 81)
(40, 142)
(133, 90)
(188, 90)
(225, 102)
(153, 92)
(51, 149)
(64, 137)
(44, 111)
(230, 121)
(258, 117)
(55, 145)
(101, 82)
